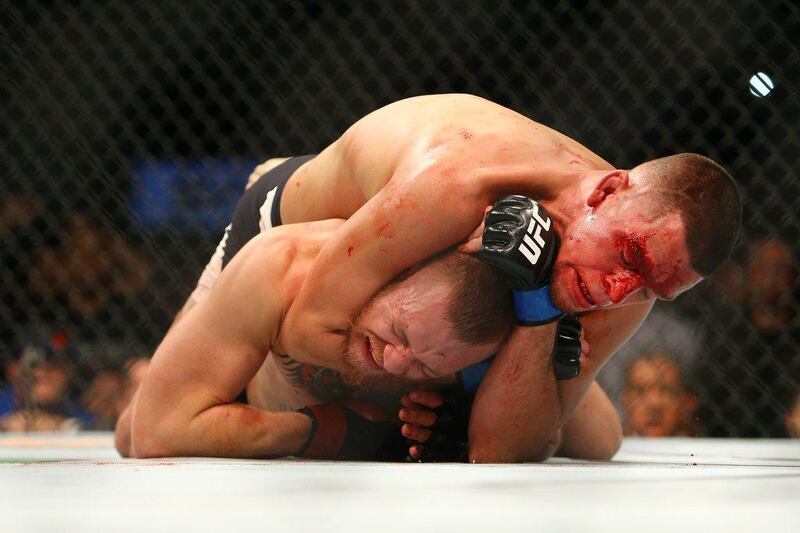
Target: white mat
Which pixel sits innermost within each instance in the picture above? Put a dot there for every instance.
(77, 483)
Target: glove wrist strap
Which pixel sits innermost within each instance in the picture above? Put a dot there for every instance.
(535, 307)
(328, 430)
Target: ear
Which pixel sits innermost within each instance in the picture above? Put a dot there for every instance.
(609, 183)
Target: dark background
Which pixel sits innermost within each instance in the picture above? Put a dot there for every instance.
(92, 89)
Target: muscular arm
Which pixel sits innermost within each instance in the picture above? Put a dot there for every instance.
(424, 192)
(185, 405)
(419, 213)
(521, 385)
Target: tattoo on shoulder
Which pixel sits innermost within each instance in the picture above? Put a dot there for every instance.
(322, 383)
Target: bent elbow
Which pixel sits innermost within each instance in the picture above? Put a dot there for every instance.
(150, 440)
(612, 446)
(487, 453)
(149, 446)
(609, 445)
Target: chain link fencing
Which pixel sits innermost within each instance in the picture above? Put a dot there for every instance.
(129, 129)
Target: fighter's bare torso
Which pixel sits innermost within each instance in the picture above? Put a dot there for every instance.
(287, 382)
(464, 133)
(502, 151)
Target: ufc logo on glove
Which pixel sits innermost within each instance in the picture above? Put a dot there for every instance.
(519, 239)
(534, 240)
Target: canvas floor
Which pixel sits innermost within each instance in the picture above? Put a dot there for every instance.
(79, 483)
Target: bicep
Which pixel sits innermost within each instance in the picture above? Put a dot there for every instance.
(407, 221)
(211, 354)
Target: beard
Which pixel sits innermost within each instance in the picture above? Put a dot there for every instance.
(561, 300)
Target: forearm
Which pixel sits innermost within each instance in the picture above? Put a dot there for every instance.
(410, 219)
(605, 332)
(594, 431)
(225, 430)
(521, 385)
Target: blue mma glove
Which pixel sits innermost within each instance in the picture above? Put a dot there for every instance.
(519, 240)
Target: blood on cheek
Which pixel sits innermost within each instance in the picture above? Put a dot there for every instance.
(620, 285)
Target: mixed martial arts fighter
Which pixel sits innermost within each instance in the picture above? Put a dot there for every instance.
(415, 177)
(452, 311)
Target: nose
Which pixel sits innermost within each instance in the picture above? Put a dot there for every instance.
(621, 284)
(397, 359)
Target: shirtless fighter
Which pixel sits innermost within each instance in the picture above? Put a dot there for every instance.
(414, 178)
(451, 312)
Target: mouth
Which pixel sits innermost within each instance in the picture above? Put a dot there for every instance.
(368, 353)
(585, 296)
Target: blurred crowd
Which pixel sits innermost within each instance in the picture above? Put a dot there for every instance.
(733, 372)
(73, 287)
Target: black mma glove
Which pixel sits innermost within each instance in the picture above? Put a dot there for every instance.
(449, 440)
(519, 239)
(341, 433)
(567, 350)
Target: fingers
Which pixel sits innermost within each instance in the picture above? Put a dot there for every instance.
(472, 246)
(415, 432)
(585, 348)
(418, 417)
(473, 243)
(429, 399)
(415, 451)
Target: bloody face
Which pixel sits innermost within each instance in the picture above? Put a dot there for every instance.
(403, 337)
(619, 253)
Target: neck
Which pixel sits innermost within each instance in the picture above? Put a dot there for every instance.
(569, 201)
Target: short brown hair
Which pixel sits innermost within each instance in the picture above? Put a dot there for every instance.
(480, 304)
(706, 198)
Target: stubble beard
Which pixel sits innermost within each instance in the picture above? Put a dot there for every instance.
(557, 291)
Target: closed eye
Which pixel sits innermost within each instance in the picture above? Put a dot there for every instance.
(398, 337)
(427, 371)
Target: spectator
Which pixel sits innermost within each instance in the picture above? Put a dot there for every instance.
(37, 395)
(753, 344)
(663, 331)
(94, 274)
(24, 231)
(657, 399)
(104, 398)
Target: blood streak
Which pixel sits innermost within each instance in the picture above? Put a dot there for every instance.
(350, 250)
(383, 231)
(663, 279)
(622, 284)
